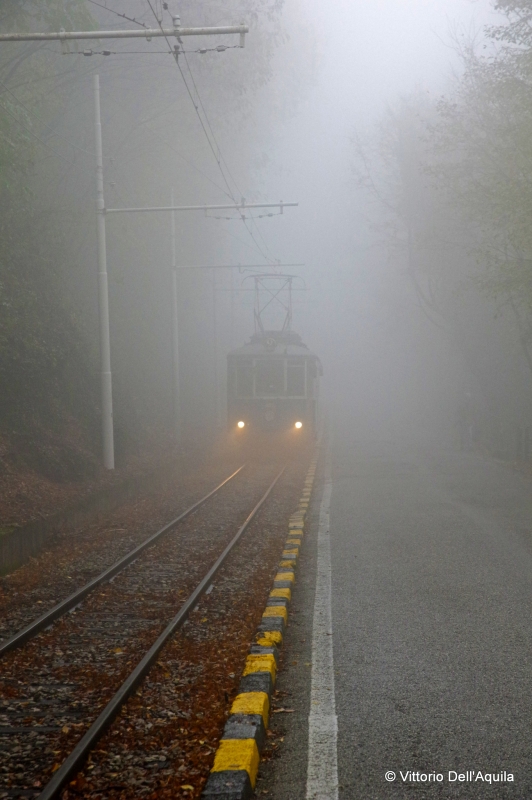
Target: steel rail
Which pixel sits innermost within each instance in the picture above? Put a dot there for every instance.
(74, 599)
(75, 760)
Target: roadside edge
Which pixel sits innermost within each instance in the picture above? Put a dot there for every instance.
(236, 762)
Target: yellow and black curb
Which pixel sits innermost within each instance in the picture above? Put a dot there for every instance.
(236, 761)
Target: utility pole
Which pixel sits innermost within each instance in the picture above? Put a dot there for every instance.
(103, 296)
(175, 335)
(217, 411)
(232, 311)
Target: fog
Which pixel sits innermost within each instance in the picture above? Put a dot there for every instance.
(386, 370)
(378, 155)
(286, 118)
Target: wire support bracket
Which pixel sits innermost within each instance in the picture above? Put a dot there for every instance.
(233, 206)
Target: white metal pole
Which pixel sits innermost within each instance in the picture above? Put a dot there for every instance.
(175, 335)
(232, 312)
(103, 296)
(217, 409)
(148, 34)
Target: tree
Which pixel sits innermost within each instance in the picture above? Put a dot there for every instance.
(458, 187)
(152, 141)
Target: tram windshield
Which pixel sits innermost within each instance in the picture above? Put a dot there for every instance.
(270, 377)
(295, 378)
(244, 379)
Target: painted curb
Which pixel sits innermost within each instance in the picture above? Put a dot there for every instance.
(236, 761)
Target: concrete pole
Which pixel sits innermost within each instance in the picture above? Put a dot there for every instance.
(103, 297)
(217, 383)
(175, 335)
(232, 312)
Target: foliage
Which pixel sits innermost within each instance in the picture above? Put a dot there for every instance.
(44, 367)
(483, 147)
(455, 182)
(414, 219)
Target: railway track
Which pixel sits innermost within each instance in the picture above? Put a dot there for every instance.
(74, 599)
(77, 676)
(76, 555)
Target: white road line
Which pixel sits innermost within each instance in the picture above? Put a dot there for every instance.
(322, 771)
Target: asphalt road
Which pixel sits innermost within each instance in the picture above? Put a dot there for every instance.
(432, 629)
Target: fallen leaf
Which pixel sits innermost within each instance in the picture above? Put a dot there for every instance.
(188, 787)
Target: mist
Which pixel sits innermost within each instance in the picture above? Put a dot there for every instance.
(388, 368)
(303, 114)
(266, 398)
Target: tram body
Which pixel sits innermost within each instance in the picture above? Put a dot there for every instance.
(273, 387)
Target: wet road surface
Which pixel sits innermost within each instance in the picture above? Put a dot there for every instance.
(431, 592)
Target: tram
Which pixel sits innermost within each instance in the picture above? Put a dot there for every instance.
(273, 381)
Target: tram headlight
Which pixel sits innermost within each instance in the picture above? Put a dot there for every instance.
(299, 425)
(241, 424)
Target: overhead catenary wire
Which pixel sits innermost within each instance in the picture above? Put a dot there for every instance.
(221, 158)
(118, 14)
(121, 181)
(216, 153)
(225, 232)
(217, 156)
(176, 59)
(243, 217)
(249, 245)
(201, 50)
(185, 160)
